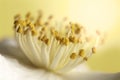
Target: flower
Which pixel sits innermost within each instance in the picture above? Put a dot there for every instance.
(48, 51)
(56, 47)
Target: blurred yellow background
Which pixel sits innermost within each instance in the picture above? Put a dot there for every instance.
(99, 14)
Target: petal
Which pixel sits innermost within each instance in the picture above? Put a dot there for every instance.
(14, 64)
(11, 69)
(92, 76)
(82, 68)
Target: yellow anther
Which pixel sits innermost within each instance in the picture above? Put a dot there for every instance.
(23, 23)
(46, 23)
(77, 29)
(54, 32)
(34, 32)
(28, 15)
(17, 17)
(15, 26)
(85, 58)
(43, 38)
(73, 56)
(38, 23)
(31, 25)
(50, 17)
(39, 37)
(73, 39)
(43, 28)
(38, 20)
(25, 31)
(58, 37)
(19, 30)
(47, 41)
(40, 14)
(82, 53)
(93, 50)
(73, 28)
(16, 22)
(64, 41)
(27, 21)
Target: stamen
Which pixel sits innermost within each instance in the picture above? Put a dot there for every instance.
(73, 56)
(93, 50)
(82, 53)
(47, 41)
(17, 17)
(19, 30)
(85, 58)
(31, 25)
(73, 39)
(64, 41)
(34, 33)
(25, 31)
(58, 47)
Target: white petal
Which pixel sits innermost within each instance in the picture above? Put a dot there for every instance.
(92, 76)
(11, 69)
(82, 68)
(13, 65)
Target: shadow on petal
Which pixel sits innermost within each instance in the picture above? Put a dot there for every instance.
(92, 76)
(15, 65)
(11, 69)
(9, 48)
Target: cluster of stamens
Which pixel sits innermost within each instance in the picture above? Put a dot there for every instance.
(57, 46)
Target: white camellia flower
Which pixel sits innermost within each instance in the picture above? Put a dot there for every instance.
(49, 51)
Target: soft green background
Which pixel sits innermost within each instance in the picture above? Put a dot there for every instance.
(108, 57)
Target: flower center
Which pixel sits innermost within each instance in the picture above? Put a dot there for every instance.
(57, 46)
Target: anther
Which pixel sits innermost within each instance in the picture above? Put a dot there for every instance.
(19, 30)
(28, 15)
(58, 37)
(43, 38)
(77, 29)
(73, 28)
(43, 29)
(39, 37)
(50, 17)
(23, 23)
(81, 52)
(34, 33)
(47, 41)
(73, 56)
(25, 31)
(17, 17)
(31, 25)
(64, 41)
(93, 50)
(85, 58)
(73, 39)
(16, 22)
